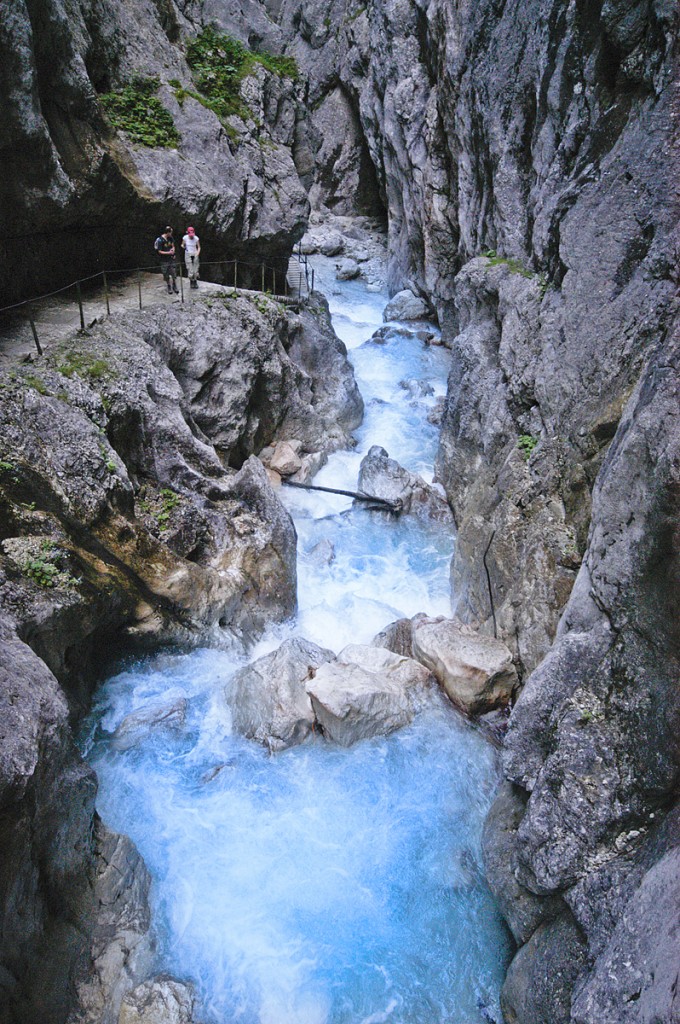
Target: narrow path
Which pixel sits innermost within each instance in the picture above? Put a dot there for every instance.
(57, 316)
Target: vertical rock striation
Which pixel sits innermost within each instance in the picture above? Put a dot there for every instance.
(524, 153)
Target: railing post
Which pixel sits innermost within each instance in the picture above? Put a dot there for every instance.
(312, 278)
(80, 306)
(262, 277)
(274, 285)
(181, 283)
(235, 273)
(35, 334)
(139, 287)
(285, 284)
(106, 293)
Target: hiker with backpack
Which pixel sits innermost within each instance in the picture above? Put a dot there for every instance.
(165, 247)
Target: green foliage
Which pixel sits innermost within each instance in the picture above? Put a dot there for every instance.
(108, 460)
(514, 265)
(46, 568)
(169, 501)
(219, 64)
(526, 444)
(160, 506)
(35, 382)
(7, 467)
(140, 114)
(84, 364)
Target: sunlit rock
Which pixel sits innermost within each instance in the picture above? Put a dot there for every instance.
(269, 700)
(476, 671)
(160, 1000)
(406, 306)
(285, 461)
(367, 691)
(383, 477)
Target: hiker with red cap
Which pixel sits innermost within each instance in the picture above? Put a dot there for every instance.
(192, 248)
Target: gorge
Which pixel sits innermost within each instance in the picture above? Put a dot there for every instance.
(520, 157)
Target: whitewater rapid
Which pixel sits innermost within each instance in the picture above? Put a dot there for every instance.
(321, 885)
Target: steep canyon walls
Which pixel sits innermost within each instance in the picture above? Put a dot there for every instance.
(527, 157)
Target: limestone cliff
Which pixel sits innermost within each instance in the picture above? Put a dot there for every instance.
(79, 196)
(524, 153)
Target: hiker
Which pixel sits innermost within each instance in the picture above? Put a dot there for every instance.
(192, 249)
(165, 247)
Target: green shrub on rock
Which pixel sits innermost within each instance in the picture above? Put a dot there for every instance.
(136, 111)
(219, 64)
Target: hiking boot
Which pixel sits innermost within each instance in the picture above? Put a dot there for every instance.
(175, 290)
(169, 290)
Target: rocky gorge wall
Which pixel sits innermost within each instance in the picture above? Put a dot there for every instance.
(78, 196)
(525, 155)
(131, 508)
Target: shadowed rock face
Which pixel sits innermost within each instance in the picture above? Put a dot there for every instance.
(524, 154)
(77, 196)
(131, 506)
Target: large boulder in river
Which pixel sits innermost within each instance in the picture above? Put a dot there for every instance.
(269, 700)
(383, 477)
(136, 726)
(475, 670)
(366, 691)
(406, 306)
(347, 270)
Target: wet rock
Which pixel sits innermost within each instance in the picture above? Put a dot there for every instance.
(540, 981)
(323, 552)
(366, 691)
(347, 270)
(269, 700)
(136, 727)
(285, 460)
(397, 637)
(476, 671)
(47, 853)
(383, 477)
(428, 338)
(436, 413)
(523, 910)
(406, 306)
(122, 948)
(160, 1000)
(416, 388)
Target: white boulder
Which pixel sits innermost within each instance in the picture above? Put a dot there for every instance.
(285, 461)
(366, 691)
(476, 671)
(406, 306)
(269, 700)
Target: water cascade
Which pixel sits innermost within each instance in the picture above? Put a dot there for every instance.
(321, 885)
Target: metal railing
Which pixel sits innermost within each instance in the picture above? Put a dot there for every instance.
(110, 289)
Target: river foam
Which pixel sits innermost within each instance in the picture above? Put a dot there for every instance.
(322, 885)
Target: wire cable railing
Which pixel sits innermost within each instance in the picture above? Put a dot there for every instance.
(292, 284)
